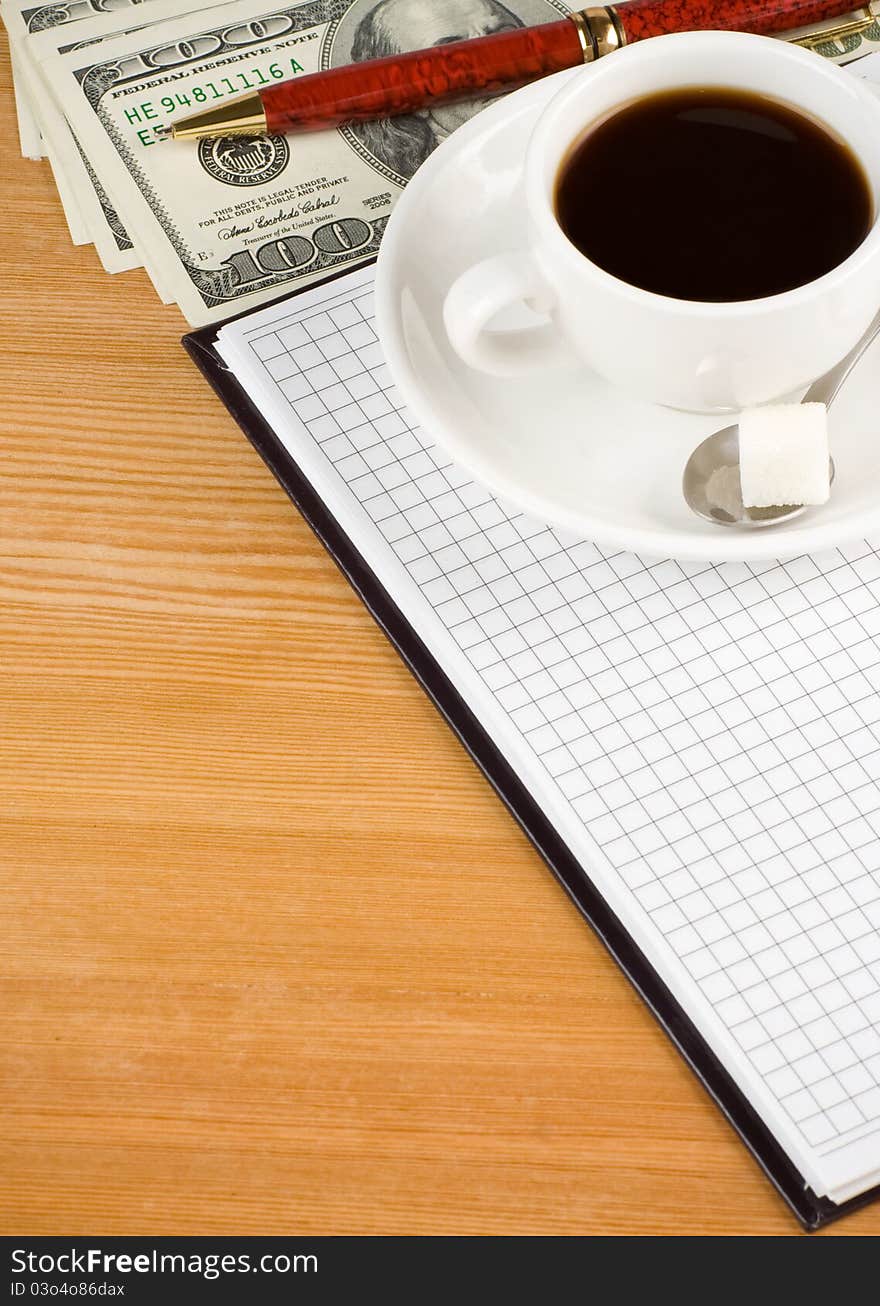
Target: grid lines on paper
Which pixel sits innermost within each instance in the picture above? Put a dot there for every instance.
(715, 728)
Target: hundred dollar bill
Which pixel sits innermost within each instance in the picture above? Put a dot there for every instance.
(33, 146)
(73, 214)
(35, 28)
(28, 129)
(234, 222)
(92, 21)
(29, 23)
(23, 16)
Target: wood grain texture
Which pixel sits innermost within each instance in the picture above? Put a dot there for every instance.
(275, 959)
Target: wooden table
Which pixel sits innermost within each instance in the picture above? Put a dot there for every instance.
(275, 958)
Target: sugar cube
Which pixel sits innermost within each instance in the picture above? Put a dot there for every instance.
(783, 455)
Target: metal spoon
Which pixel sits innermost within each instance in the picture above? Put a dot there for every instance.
(721, 452)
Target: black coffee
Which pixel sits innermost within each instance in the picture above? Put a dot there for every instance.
(713, 194)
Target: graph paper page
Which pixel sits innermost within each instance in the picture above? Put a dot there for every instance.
(706, 739)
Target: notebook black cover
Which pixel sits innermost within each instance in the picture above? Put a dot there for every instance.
(813, 1212)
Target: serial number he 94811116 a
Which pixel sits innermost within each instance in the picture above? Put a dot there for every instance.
(254, 80)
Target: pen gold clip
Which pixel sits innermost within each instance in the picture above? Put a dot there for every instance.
(839, 31)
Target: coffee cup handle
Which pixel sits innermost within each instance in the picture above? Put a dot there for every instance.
(484, 291)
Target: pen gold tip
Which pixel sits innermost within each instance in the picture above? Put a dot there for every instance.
(242, 117)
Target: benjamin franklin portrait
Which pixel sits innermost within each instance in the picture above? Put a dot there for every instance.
(391, 27)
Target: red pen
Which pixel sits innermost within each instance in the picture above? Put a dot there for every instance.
(511, 55)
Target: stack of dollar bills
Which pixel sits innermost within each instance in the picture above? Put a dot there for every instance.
(226, 224)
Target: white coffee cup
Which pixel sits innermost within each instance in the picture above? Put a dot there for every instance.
(701, 356)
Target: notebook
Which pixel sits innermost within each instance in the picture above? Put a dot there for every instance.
(694, 749)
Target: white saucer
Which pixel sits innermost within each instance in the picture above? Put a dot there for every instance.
(563, 445)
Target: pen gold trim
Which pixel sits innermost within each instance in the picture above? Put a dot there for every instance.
(585, 35)
(606, 32)
(249, 120)
(833, 31)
